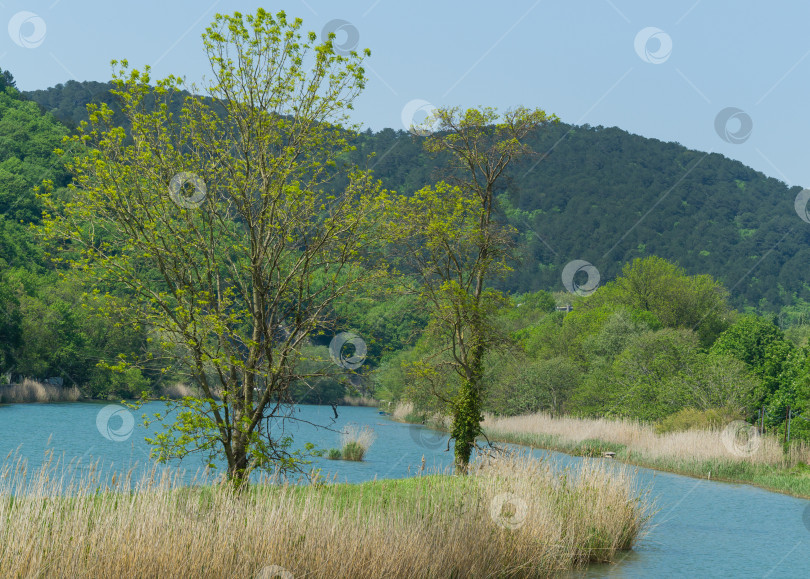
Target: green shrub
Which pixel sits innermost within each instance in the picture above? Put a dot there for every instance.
(114, 385)
(334, 454)
(416, 417)
(693, 419)
(525, 386)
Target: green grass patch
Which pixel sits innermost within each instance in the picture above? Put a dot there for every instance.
(354, 451)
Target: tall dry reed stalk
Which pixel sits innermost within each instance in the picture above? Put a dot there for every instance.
(179, 390)
(33, 391)
(360, 401)
(511, 517)
(406, 412)
(402, 410)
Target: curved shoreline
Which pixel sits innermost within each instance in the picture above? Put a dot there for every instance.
(698, 469)
(793, 482)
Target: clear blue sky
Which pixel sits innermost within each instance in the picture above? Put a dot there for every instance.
(579, 59)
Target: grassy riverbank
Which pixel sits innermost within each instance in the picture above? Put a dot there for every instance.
(512, 517)
(698, 453)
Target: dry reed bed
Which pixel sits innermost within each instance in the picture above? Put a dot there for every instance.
(402, 410)
(512, 517)
(179, 390)
(360, 401)
(33, 391)
(641, 439)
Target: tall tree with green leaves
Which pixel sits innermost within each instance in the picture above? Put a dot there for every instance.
(7, 80)
(452, 237)
(219, 224)
(774, 360)
(653, 284)
(10, 325)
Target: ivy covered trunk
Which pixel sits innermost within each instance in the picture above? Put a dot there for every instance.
(467, 414)
(466, 424)
(452, 241)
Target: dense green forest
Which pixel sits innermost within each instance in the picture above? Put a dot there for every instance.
(655, 344)
(701, 307)
(44, 331)
(605, 196)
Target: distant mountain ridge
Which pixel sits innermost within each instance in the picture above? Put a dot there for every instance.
(605, 196)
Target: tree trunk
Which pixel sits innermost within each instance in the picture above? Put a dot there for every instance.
(467, 415)
(465, 426)
(238, 461)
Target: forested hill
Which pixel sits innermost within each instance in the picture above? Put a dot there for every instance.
(606, 196)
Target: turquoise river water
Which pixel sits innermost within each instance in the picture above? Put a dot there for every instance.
(701, 529)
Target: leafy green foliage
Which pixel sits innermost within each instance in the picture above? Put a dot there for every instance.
(677, 300)
(691, 418)
(453, 241)
(6, 80)
(587, 194)
(10, 325)
(528, 386)
(68, 102)
(752, 340)
(236, 278)
(659, 338)
(45, 328)
(27, 142)
(387, 320)
(762, 347)
(59, 337)
(612, 355)
(320, 380)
